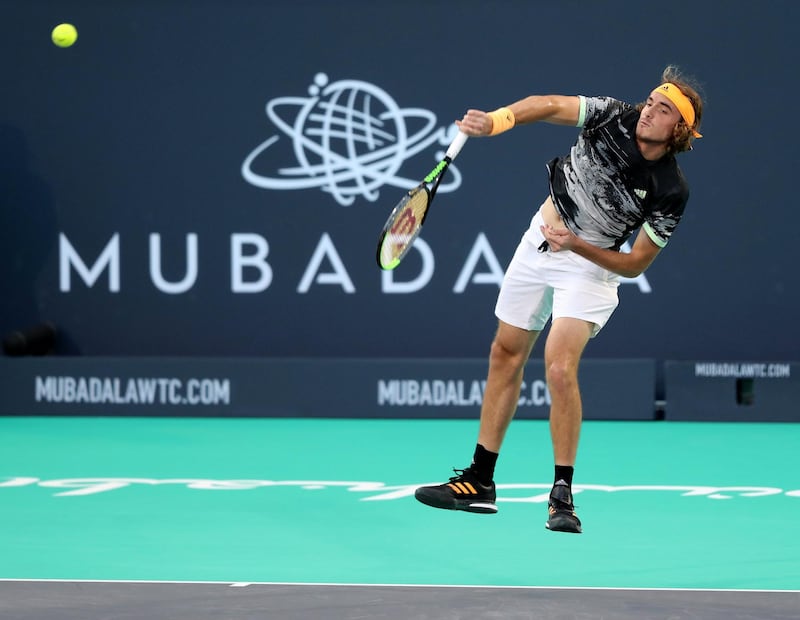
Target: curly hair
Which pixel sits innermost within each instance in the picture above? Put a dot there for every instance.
(682, 135)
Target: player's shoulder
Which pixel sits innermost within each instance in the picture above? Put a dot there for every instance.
(599, 109)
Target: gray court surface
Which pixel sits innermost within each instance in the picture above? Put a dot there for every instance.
(76, 600)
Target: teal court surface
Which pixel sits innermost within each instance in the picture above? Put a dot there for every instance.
(315, 518)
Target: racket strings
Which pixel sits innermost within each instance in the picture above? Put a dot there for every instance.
(403, 228)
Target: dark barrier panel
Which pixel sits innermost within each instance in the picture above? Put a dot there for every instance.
(208, 178)
(754, 391)
(350, 388)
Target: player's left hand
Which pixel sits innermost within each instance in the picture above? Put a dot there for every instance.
(559, 238)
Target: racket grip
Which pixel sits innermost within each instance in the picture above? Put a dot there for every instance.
(455, 146)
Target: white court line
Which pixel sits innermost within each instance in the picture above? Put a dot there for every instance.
(244, 584)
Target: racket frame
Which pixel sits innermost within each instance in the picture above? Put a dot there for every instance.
(429, 185)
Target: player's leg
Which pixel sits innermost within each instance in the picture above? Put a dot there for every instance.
(472, 489)
(509, 353)
(563, 350)
(523, 308)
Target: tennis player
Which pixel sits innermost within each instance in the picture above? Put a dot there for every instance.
(621, 177)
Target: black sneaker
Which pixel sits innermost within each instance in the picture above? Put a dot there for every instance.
(463, 492)
(562, 517)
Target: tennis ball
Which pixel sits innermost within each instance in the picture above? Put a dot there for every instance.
(64, 35)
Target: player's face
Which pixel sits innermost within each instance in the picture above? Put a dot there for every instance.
(657, 119)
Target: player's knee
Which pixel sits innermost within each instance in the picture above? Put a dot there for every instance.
(511, 359)
(561, 375)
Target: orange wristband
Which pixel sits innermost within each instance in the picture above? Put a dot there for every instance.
(502, 120)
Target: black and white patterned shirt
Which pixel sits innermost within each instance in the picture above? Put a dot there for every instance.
(605, 190)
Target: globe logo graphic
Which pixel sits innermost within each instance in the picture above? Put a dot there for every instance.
(348, 138)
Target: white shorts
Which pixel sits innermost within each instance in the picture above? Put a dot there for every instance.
(538, 285)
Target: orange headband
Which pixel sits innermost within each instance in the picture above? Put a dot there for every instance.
(681, 101)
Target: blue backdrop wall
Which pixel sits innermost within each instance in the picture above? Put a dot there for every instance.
(208, 178)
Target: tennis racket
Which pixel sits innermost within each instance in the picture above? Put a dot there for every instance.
(406, 219)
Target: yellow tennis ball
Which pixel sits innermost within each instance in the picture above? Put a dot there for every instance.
(64, 35)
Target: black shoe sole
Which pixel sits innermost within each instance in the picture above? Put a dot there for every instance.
(563, 524)
(478, 507)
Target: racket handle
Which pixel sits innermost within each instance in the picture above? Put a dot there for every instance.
(455, 146)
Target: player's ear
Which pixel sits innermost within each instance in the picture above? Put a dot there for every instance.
(681, 137)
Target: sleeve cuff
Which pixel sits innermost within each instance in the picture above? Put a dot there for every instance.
(653, 236)
(582, 112)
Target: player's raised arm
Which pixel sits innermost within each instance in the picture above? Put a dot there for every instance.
(557, 109)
